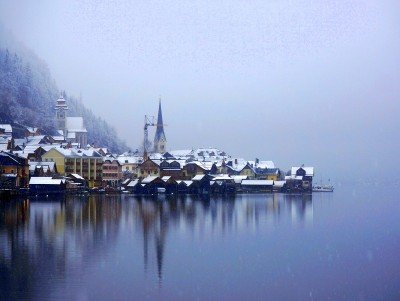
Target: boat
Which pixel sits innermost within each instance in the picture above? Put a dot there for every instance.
(322, 188)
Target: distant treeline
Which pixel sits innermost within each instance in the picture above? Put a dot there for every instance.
(28, 94)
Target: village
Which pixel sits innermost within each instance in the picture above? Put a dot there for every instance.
(65, 163)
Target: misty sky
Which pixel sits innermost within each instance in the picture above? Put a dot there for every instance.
(314, 82)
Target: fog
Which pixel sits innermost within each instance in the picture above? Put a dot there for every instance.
(313, 82)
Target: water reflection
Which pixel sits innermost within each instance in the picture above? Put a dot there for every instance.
(42, 240)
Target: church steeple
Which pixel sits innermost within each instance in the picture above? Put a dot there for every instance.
(160, 141)
(61, 111)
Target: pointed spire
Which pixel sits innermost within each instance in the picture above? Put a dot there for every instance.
(159, 119)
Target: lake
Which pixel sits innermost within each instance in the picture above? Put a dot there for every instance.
(326, 246)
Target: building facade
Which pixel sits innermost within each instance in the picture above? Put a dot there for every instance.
(86, 163)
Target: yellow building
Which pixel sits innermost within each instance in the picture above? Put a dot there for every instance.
(86, 163)
(248, 171)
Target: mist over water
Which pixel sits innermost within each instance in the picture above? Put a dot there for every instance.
(293, 82)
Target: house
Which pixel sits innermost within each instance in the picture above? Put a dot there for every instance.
(171, 168)
(87, 163)
(223, 184)
(14, 171)
(307, 173)
(273, 174)
(46, 185)
(194, 168)
(129, 164)
(201, 183)
(148, 168)
(77, 181)
(41, 169)
(279, 186)
(170, 185)
(133, 186)
(6, 130)
(186, 187)
(150, 184)
(257, 185)
(32, 131)
(6, 143)
(294, 183)
(112, 171)
(248, 171)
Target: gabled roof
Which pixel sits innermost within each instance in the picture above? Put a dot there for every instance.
(149, 179)
(133, 183)
(166, 178)
(198, 177)
(309, 171)
(76, 176)
(45, 181)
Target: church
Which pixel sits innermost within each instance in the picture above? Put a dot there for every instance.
(72, 128)
(160, 141)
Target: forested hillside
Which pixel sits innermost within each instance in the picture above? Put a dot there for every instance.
(28, 94)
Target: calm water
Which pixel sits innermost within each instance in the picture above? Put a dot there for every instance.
(340, 246)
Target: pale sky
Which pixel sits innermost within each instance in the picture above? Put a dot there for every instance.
(313, 82)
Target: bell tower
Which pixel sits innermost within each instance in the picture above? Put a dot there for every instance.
(61, 112)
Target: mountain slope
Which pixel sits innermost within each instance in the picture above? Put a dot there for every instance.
(28, 94)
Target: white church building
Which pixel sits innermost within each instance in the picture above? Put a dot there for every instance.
(72, 128)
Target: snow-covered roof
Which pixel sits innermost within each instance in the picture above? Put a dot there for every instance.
(58, 138)
(279, 183)
(7, 128)
(263, 164)
(237, 164)
(156, 156)
(149, 179)
(222, 178)
(238, 179)
(45, 165)
(198, 177)
(309, 171)
(32, 129)
(35, 140)
(73, 152)
(45, 181)
(21, 154)
(188, 183)
(293, 177)
(76, 176)
(166, 178)
(75, 124)
(125, 181)
(133, 183)
(129, 160)
(181, 153)
(257, 182)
